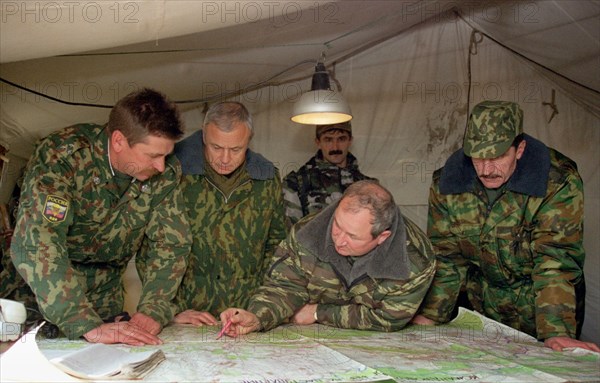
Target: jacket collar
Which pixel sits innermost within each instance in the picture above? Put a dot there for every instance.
(190, 153)
(530, 177)
(387, 261)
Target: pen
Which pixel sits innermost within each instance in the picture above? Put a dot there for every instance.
(227, 325)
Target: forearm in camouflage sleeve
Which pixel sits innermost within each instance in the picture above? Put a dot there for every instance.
(559, 258)
(443, 293)
(39, 251)
(293, 206)
(162, 260)
(277, 227)
(284, 290)
(397, 308)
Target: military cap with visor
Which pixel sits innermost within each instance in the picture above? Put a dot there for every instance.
(492, 128)
(344, 126)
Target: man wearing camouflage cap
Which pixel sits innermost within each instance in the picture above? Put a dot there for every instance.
(323, 179)
(359, 263)
(91, 198)
(506, 220)
(235, 205)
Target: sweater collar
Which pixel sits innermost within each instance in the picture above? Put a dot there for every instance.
(530, 177)
(190, 153)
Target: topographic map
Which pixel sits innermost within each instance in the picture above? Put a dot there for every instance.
(471, 348)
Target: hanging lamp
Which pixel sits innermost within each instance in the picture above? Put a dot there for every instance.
(322, 105)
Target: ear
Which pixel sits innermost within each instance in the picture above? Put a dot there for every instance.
(118, 141)
(383, 236)
(521, 149)
(317, 141)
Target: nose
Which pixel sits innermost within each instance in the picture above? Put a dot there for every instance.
(226, 157)
(339, 239)
(159, 164)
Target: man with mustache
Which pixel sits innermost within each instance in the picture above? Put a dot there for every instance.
(506, 220)
(323, 179)
(92, 197)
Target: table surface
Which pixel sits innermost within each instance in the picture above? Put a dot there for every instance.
(471, 348)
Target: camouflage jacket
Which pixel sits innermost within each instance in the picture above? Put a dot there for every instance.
(75, 234)
(519, 258)
(234, 236)
(317, 184)
(381, 290)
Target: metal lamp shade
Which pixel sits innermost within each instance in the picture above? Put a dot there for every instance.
(321, 107)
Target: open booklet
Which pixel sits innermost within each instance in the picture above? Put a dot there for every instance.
(99, 361)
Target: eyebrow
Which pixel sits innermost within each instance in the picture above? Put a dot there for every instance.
(335, 221)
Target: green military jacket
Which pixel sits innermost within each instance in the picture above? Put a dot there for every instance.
(75, 234)
(519, 258)
(381, 290)
(234, 236)
(317, 184)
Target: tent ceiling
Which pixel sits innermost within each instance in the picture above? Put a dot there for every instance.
(95, 52)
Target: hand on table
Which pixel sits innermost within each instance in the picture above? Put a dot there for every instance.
(146, 322)
(121, 332)
(197, 318)
(558, 343)
(422, 320)
(305, 315)
(242, 322)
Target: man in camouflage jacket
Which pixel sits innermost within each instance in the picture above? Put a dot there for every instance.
(323, 179)
(91, 197)
(235, 205)
(506, 220)
(357, 264)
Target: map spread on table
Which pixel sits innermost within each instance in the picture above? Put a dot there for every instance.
(470, 348)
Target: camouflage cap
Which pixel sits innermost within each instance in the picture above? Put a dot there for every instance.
(345, 126)
(492, 127)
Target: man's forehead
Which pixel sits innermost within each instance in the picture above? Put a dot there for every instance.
(238, 137)
(335, 133)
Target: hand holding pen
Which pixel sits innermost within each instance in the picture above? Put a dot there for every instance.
(227, 325)
(238, 322)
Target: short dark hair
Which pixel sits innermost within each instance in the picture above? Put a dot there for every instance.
(518, 139)
(145, 112)
(224, 114)
(370, 195)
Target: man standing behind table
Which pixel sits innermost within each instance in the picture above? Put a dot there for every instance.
(358, 264)
(92, 196)
(506, 220)
(235, 205)
(323, 179)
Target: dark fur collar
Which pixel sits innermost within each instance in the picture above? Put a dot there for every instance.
(190, 153)
(530, 177)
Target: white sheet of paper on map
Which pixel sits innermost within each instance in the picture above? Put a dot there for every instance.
(100, 362)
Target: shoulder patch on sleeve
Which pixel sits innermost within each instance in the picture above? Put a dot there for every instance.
(55, 209)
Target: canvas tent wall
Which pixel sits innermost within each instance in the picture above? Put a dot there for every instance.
(403, 67)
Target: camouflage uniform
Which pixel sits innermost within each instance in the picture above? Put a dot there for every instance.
(519, 258)
(317, 184)
(234, 236)
(75, 233)
(381, 290)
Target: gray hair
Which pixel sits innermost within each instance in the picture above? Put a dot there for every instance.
(370, 195)
(225, 114)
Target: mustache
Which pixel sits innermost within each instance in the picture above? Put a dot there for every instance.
(335, 152)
